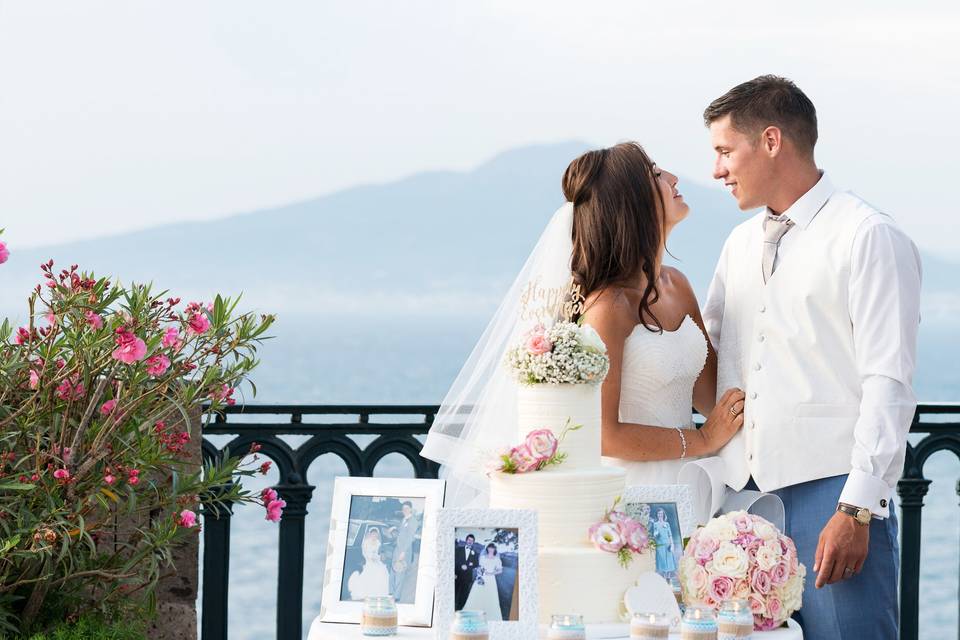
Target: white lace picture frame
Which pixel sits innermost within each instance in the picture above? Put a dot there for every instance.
(464, 522)
(374, 510)
(679, 494)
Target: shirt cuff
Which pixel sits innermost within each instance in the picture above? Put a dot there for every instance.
(866, 491)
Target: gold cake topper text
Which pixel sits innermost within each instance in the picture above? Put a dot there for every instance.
(560, 304)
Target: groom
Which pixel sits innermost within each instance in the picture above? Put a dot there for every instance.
(814, 312)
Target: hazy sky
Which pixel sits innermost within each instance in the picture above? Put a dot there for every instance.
(126, 114)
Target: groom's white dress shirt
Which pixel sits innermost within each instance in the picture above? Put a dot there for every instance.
(825, 350)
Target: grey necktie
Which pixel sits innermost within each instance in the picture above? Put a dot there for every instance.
(774, 228)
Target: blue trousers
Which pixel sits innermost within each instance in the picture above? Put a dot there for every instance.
(864, 606)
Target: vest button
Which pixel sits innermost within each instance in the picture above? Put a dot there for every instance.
(763, 309)
(760, 338)
(750, 457)
(756, 367)
(753, 395)
(753, 425)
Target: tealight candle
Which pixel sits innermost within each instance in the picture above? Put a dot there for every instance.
(735, 620)
(649, 626)
(379, 616)
(567, 626)
(698, 623)
(469, 625)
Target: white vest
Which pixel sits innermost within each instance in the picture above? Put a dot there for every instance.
(789, 345)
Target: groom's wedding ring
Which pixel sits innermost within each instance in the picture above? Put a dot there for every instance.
(847, 572)
(733, 409)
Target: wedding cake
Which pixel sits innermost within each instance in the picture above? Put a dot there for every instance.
(574, 575)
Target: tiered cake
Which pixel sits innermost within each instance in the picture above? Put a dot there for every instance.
(575, 577)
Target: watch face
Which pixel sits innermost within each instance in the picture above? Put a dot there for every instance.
(863, 516)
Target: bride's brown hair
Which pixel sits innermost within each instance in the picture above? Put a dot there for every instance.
(617, 221)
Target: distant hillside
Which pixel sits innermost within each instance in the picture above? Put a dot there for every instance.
(435, 242)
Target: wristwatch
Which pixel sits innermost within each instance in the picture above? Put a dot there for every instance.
(860, 514)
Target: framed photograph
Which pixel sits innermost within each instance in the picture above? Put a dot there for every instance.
(487, 561)
(667, 512)
(383, 534)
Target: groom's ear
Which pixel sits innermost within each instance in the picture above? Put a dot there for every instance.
(771, 141)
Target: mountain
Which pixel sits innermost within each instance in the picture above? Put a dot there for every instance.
(435, 242)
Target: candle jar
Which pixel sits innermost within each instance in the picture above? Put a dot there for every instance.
(649, 626)
(735, 620)
(698, 623)
(567, 626)
(379, 616)
(469, 625)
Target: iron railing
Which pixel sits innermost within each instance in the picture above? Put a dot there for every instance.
(942, 433)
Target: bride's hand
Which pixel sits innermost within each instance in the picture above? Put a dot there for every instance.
(724, 421)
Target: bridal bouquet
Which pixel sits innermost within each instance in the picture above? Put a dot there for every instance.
(540, 449)
(620, 534)
(739, 555)
(565, 353)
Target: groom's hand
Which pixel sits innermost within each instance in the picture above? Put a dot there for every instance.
(843, 545)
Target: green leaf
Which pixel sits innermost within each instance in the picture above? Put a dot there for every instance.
(16, 486)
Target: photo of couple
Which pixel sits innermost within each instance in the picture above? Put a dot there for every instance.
(663, 524)
(383, 548)
(486, 572)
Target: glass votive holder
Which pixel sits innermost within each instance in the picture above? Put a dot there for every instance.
(649, 626)
(699, 623)
(469, 625)
(566, 626)
(735, 620)
(379, 616)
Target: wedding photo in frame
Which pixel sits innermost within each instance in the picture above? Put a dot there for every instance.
(382, 541)
(667, 512)
(487, 561)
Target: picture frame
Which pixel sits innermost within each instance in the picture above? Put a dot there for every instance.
(667, 512)
(382, 541)
(510, 533)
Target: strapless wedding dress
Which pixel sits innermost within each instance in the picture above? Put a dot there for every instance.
(658, 374)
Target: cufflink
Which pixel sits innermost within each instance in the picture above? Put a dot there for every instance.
(883, 503)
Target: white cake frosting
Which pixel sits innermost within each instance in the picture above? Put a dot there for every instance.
(574, 576)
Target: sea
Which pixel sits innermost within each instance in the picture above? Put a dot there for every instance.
(403, 358)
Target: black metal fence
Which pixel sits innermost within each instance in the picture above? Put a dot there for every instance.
(939, 423)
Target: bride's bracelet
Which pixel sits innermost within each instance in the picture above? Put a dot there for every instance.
(683, 443)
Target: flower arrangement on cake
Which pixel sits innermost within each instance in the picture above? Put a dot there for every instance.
(540, 449)
(565, 353)
(744, 556)
(620, 534)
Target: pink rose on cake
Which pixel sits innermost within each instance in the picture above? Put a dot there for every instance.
(620, 534)
(540, 449)
(542, 444)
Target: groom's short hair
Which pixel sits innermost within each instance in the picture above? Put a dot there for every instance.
(768, 101)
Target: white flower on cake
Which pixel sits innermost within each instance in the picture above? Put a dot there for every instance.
(565, 353)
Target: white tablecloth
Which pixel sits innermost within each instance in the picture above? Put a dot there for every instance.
(336, 631)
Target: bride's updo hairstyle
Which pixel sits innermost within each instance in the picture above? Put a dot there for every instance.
(617, 221)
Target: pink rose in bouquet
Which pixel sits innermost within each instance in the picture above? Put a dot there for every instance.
(740, 555)
(537, 341)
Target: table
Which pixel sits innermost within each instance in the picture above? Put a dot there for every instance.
(336, 631)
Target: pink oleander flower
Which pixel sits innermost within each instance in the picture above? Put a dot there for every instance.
(71, 389)
(133, 476)
(224, 394)
(62, 475)
(542, 443)
(109, 479)
(275, 510)
(107, 407)
(23, 335)
(51, 318)
(198, 322)
(268, 495)
(523, 459)
(171, 338)
(4, 253)
(157, 365)
(187, 519)
(265, 468)
(130, 348)
(34, 379)
(606, 536)
(93, 319)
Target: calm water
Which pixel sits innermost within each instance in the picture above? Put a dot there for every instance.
(413, 360)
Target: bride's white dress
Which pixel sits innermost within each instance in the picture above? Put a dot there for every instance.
(486, 597)
(657, 377)
(373, 580)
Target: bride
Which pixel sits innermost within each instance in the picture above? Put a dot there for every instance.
(373, 579)
(485, 596)
(609, 239)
